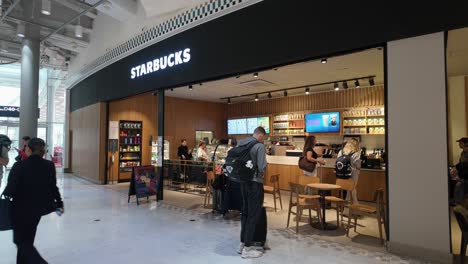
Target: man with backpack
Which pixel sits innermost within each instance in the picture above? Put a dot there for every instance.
(246, 163)
(5, 144)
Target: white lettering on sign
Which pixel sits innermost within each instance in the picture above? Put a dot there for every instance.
(169, 61)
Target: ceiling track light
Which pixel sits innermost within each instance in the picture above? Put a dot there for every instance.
(256, 75)
(371, 81)
(285, 93)
(190, 87)
(172, 89)
(229, 101)
(356, 83)
(46, 7)
(337, 86)
(269, 95)
(307, 90)
(324, 61)
(256, 98)
(345, 85)
(20, 29)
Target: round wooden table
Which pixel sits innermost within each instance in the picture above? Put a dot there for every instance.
(322, 188)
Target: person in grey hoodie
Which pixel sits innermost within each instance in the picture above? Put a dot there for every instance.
(252, 196)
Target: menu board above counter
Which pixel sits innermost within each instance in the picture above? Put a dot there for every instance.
(244, 126)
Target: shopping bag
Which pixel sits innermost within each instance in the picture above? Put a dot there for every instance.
(5, 214)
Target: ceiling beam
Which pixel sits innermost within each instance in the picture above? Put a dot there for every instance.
(8, 11)
(76, 6)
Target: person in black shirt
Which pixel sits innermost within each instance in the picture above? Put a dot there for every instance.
(460, 172)
(184, 153)
(32, 184)
(311, 155)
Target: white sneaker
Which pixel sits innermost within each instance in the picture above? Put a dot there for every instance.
(251, 252)
(241, 247)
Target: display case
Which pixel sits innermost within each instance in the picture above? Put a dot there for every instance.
(154, 152)
(364, 121)
(130, 140)
(291, 124)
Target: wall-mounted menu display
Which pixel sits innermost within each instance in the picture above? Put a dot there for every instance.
(244, 126)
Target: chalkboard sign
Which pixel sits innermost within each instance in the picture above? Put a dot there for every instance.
(113, 145)
(144, 183)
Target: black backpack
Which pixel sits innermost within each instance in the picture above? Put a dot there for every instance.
(343, 167)
(239, 166)
(5, 141)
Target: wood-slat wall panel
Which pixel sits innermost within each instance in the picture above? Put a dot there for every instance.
(363, 97)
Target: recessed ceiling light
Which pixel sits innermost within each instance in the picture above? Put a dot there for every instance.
(323, 61)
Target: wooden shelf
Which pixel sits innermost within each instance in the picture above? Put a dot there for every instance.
(280, 128)
(354, 116)
(354, 126)
(376, 116)
(376, 125)
(280, 121)
(130, 144)
(296, 127)
(295, 119)
(130, 151)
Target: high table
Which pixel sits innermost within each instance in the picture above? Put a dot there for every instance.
(322, 188)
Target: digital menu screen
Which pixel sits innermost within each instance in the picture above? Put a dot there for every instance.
(323, 122)
(237, 126)
(246, 126)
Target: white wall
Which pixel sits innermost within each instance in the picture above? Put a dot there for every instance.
(417, 148)
(456, 115)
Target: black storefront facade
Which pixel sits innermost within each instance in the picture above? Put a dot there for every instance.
(272, 33)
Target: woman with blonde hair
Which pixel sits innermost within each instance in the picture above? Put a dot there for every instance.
(353, 148)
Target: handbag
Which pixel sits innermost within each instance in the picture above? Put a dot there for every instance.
(6, 208)
(306, 165)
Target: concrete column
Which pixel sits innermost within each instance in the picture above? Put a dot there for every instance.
(30, 53)
(29, 87)
(417, 148)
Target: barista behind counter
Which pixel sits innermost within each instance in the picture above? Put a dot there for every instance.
(286, 166)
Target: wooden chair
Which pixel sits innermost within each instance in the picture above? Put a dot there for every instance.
(463, 223)
(340, 203)
(274, 189)
(301, 201)
(209, 187)
(377, 211)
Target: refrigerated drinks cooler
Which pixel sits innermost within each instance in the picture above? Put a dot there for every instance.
(154, 152)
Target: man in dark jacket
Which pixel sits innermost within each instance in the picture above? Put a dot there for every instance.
(460, 172)
(32, 184)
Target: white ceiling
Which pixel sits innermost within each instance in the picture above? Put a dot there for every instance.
(359, 64)
(166, 7)
(457, 52)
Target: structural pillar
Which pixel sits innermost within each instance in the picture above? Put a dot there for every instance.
(30, 53)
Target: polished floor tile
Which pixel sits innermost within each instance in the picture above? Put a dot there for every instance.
(99, 226)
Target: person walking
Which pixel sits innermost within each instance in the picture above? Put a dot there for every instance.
(252, 198)
(32, 184)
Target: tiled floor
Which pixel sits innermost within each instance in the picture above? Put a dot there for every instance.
(100, 227)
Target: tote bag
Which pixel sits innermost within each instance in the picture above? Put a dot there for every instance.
(5, 214)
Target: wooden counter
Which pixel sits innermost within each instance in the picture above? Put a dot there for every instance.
(369, 180)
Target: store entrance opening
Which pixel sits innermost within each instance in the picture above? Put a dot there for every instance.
(339, 100)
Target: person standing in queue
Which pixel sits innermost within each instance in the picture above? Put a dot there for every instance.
(460, 172)
(32, 184)
(353, 149)
(311, 155)
(183, 152)
(252, 198)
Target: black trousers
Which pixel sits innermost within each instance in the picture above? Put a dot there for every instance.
(24, 233)
(252, 209)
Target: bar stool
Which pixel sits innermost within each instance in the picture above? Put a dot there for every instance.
(274, 189)
(209, 187)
